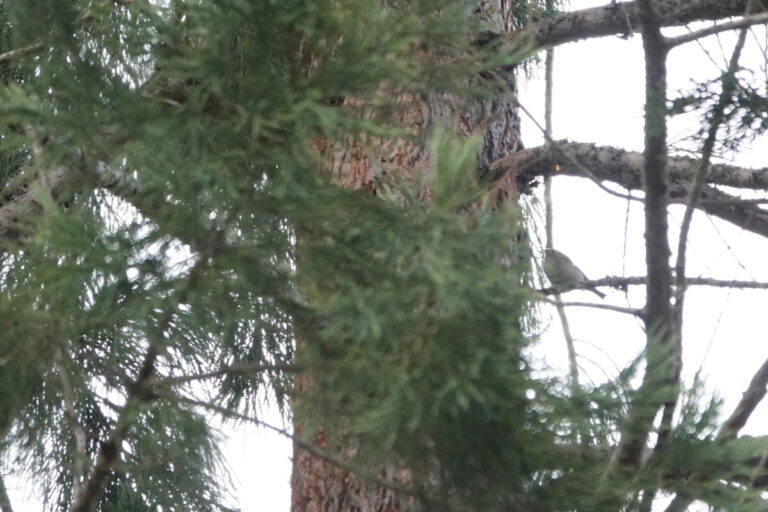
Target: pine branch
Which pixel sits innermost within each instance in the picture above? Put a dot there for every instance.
(605, 163)
(112, 446)
(138, 392)
(754, 394)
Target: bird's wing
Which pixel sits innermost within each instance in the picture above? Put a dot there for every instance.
(584, 277)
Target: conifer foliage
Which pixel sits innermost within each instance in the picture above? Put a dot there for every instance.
(168, 232)
(159, 177)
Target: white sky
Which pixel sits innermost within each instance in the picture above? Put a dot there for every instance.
(598, 97)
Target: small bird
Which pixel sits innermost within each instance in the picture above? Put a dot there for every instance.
(564, 275)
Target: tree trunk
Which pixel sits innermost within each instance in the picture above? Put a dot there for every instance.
(319, 486)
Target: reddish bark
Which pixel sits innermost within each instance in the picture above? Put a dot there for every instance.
(318, 486)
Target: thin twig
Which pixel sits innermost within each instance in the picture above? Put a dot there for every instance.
(80, 457)
(621, 282)
(20, 52)
(138, 393)
(733, 201)
(549, 214)
(729, 84)
(242, 369)
(112, 446)
(595, 305)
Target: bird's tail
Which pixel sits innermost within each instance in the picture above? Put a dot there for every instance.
(597, 292)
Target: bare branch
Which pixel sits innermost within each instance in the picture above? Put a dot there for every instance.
(595, 305)
(20, 52)
(621, 166)
(746, 21)
(624, 168)
(618, 19)
(622, 282)
(749, 401)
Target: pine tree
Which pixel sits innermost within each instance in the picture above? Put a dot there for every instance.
(209, 203)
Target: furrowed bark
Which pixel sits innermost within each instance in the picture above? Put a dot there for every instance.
(316, 485)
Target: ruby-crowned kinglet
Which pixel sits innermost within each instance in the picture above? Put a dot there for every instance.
(564, 275)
